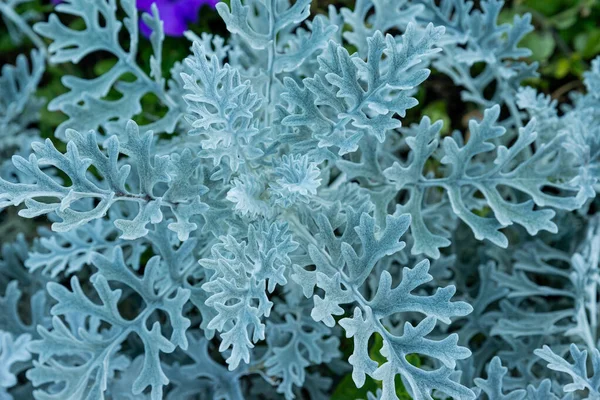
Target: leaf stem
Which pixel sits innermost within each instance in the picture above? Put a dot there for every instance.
(23, 26)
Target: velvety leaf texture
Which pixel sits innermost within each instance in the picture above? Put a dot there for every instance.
(283, 220)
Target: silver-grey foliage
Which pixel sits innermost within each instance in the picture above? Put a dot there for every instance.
(281, 202)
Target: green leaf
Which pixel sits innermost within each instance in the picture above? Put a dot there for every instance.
(436, 111)
(346, 389)
(541, 44)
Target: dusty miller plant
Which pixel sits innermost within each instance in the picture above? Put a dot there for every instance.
(279, 208)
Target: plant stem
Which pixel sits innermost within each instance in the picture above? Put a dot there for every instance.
(9, 13)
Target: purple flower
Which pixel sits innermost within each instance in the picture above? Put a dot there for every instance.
(175, 14)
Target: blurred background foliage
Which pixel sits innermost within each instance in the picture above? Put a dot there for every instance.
(566, 39)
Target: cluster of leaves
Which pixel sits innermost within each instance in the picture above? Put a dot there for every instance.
(278, 223)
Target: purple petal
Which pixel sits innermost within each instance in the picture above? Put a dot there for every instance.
(174, 22)
(146, 5)
(175, 14)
